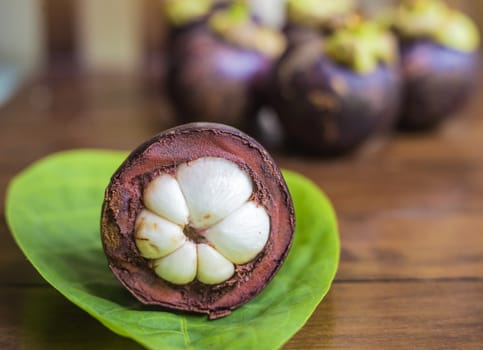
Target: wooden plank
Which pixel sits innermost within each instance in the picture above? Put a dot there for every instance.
(412, 244)
(403, 213)
(398, 315)
(411, 272)
(39, 318)
(414, 315)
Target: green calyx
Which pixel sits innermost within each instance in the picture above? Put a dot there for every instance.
(238, 14)
(361, 46)
(316, 13)
(181, 12)
(432, 19)
(235, 25)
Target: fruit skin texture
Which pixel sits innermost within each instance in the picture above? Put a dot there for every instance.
(328, 109)
(215, 81)
(438, 80)
(161, 154)
(438, 49)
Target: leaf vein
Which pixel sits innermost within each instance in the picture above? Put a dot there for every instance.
(186, 336)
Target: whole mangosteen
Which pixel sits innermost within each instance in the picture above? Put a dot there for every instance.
(438, 47)
(220, 72)
(333, 94)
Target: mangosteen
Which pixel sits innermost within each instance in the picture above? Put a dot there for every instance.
(220, 72)
(309, 19)
(197, 219)
(439, 59)
(333, 94)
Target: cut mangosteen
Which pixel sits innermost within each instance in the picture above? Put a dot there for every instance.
(197, 219)
(332, 94)
(220, 73)
(439, 59)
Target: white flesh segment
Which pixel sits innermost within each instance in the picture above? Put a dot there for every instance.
(163, 197)
(157, 237)
(213, 268)
(242, 235)
(213, 189)
(178, 267)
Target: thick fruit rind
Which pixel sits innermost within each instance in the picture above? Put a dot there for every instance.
(123, 202)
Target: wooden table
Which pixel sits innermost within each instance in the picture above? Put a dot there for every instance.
(410, 212)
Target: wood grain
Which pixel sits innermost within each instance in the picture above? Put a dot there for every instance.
(397, 315)
(409, 207)
(40, 318)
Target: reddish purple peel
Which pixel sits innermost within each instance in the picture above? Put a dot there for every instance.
(161, 154)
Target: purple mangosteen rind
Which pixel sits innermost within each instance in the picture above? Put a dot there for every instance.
(215, 81)
(439, 61)
(437, 82)
(330, 110)
(330, 102)
(219, 72)
(123, 203)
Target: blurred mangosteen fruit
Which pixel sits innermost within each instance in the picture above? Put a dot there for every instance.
(185, 15)
(332, 94)
(220, 72)
(197, 219)
(439, 59)
(310, 19)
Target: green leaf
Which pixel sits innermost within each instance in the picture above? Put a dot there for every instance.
(53, 210)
